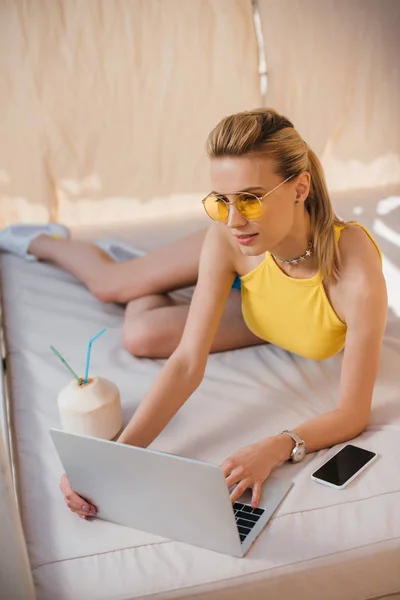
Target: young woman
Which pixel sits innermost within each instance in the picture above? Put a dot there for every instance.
(311, 284)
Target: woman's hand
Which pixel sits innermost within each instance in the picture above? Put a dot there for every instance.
(250, 466)
(77, 504)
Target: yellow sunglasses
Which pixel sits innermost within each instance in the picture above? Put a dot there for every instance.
(249, 205)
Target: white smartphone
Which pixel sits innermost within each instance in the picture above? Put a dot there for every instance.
(344, 466)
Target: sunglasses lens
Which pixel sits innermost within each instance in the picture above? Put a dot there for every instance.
(216, 208)
(249, 206)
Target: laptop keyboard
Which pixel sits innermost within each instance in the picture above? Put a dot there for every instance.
(246, 517)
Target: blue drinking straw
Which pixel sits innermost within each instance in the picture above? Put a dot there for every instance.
(88, 353)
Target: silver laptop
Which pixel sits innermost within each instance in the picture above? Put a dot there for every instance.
(171, 496)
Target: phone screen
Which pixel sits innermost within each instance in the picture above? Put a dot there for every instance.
(344, 465)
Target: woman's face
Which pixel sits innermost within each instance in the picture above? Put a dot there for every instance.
(256, 174)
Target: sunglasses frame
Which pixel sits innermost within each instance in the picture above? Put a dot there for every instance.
(234, 202)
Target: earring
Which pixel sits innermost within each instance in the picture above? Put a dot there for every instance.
(297, 202)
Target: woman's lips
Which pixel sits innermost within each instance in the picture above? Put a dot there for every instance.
(245, 239)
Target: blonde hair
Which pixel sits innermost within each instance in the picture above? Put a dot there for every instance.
(266, 131)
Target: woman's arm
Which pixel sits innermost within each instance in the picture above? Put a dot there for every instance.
(184, 370)
(363, 290)
(365, 302)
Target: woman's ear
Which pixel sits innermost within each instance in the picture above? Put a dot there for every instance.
(303, 186)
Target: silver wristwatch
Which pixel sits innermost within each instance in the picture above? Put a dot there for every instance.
(299, 451)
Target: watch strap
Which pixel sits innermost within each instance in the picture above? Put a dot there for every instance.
(297, 439)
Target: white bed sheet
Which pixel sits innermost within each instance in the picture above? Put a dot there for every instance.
(321, 543)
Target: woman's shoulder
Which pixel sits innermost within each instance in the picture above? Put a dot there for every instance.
(217, 234)
(361, 286)
(219, 243)
(220, 238)
(359, 253)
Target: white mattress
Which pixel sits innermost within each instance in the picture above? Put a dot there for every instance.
(321, 543)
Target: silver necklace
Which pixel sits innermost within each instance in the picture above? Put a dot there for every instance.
(297, 259)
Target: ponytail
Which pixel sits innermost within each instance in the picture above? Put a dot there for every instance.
(322, 219)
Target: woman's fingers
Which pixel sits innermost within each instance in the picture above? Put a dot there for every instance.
(84, 512)
(239, 490)
(80, 506)
(227, 466)
(256, 496)
(235, 476)
(83, 508)
(74, 502)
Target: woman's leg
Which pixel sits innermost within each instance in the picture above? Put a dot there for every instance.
(154, 325)
(165, 269)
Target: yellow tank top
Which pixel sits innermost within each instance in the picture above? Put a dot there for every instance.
(294, 314)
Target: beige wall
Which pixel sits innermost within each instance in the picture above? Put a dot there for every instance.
(105, 106)
(334, 69)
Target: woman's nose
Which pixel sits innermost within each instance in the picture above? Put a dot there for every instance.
(235, 218)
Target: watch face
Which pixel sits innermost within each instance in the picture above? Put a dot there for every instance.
(298, 453)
